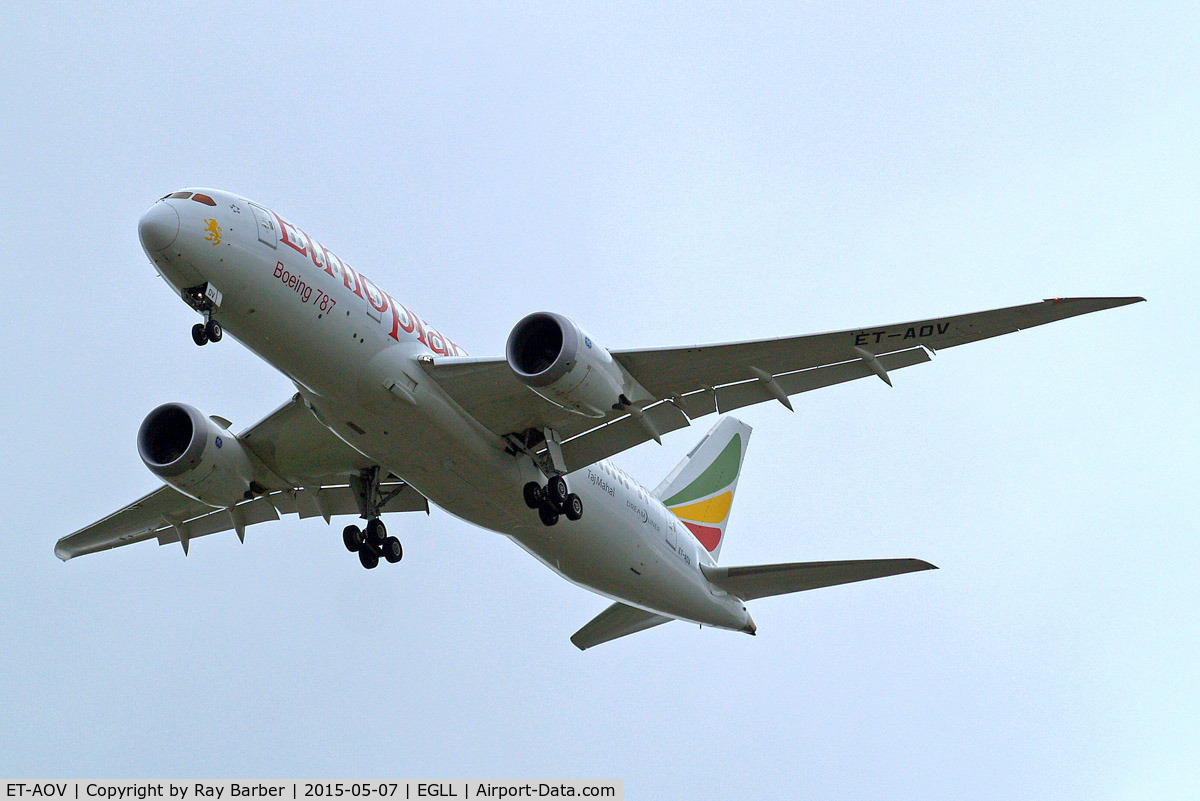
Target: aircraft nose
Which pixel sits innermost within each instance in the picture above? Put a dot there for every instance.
(159, 226)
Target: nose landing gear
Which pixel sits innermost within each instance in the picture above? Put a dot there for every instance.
(203, 333)
(204, 298)
(553, 500)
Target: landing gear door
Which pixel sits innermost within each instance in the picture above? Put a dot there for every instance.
(268, 231)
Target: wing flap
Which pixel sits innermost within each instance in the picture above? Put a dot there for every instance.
(622, 434)
(626, 432)
(735, 396)
(763, 581)
(213, 521)
(618, 620)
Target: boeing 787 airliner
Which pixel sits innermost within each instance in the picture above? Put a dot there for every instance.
(390, 415)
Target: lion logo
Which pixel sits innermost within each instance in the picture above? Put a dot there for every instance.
(214, 232)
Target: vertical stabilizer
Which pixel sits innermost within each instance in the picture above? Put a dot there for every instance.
(700, 489)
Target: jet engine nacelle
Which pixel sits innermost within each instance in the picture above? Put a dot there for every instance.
(558, 360)
(195, 455)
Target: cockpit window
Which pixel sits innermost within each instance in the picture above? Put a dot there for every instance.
(205, 199)
(180, 195)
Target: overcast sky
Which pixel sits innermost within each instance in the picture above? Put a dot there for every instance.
(663, 175)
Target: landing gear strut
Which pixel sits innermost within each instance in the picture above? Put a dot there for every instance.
(553, 500)
(371, 542)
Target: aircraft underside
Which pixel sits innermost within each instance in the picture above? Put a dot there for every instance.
(391, 415)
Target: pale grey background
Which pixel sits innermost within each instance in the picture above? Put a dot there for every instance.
(664, 175)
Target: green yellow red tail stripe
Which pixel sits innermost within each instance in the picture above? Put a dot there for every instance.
(703, 505)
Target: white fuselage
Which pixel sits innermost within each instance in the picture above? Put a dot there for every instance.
(352, 352)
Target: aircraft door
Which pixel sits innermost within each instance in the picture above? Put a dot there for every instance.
(671, 531)
(268, 232)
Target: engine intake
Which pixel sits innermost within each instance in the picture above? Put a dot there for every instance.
(536, 345)
(556, 358)
(195, 455)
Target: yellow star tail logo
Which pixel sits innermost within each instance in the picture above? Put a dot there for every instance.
(214, 232)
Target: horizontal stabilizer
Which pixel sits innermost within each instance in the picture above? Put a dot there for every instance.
(618, 620)
(762, 581)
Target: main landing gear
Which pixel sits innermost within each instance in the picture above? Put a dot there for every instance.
(553, 500)
(371, 542)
